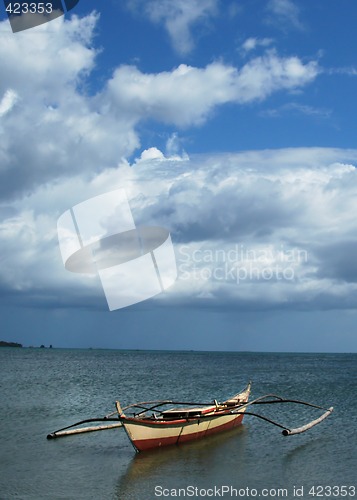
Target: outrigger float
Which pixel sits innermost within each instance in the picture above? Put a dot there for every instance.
(153, 424)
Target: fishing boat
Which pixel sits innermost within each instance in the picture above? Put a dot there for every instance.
(152, 426)
(156, 424)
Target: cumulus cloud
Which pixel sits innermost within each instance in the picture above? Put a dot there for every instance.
(173, 152)
(186, 95)
(60, 146)
(51, 128)
(151, 154)
(254, 229)
(179, 17)
(32, 55)
(261, 229)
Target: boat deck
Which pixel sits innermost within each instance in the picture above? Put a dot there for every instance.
(187, 412)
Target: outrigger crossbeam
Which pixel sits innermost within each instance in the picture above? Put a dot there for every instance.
(156, 406)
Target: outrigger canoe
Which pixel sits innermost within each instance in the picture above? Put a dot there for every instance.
(153, 427)
(155, 424)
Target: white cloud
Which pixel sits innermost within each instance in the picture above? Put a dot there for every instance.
(8, 101)
(65, 131)
(60, 146)
(252, 43)
(173, 152)
(179, 17)
(284, 12)
(186, 95)
(298, 108)
(174, 148)
(151, 154)
(349, 70)
(290, 213)
(269, 73)
(44, 61)
(55, 129)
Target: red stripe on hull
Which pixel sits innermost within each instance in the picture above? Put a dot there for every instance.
(147, 444)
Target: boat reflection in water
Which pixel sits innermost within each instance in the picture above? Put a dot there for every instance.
(209, 459)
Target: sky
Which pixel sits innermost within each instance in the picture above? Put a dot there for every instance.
(229, 123)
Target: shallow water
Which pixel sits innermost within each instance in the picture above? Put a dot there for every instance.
(46, 389)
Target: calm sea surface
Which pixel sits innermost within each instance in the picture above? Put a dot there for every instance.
(42, 390)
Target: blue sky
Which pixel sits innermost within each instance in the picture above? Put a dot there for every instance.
(231, 124)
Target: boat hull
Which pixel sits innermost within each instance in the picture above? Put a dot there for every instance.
(146, 435)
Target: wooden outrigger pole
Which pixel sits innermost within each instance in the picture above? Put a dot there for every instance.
(68, 431)
(299, 430)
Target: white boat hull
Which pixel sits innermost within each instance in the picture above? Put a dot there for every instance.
(147, 433)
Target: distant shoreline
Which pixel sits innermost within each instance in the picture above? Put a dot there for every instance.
(9, 344)
(193, 351)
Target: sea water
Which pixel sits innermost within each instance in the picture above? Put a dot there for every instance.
(43, 390)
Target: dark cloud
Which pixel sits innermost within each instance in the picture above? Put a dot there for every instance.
(337, 261)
